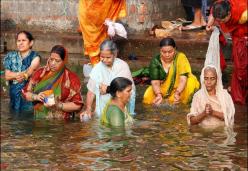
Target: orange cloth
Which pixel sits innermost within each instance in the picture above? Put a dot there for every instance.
(92, 14)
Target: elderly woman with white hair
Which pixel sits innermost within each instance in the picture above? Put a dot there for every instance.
(101, 76)
(212, 106)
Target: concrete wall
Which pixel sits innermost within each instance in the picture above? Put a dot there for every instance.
(56, 15)
(61, 15)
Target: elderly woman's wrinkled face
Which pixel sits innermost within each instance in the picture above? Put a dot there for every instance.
(107, 57)
(55, 62)
(167, 53)
(210, 79)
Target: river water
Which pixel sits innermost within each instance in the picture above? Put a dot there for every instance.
(160, 139)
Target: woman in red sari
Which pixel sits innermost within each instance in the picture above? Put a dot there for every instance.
(54, 89)
(232, 18)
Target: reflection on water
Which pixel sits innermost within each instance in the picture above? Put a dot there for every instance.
(160, 139)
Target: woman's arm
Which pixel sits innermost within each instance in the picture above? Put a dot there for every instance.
(89, 101)
(219, 115)
(210, 22)
(20, 76)
(243, 19)
(198, 118)
(34, 65)
(9, 75)
(68, 106)
(156, 86)
(180, 88)
(157, 91)
(182, 83)
(30, 96)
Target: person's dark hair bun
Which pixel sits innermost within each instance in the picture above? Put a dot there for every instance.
(108, 89)
(118, 84)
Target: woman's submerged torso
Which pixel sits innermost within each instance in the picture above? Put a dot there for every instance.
(15, 63)
(66, 88)
(114, 116)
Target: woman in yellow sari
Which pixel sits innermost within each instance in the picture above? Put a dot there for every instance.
(92, 14)
(171, 76)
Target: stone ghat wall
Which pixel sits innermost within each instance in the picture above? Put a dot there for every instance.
(61, 15)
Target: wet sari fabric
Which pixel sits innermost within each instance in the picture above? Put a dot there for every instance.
(65, 85)
(14, 62)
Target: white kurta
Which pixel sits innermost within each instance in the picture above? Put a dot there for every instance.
(101, 74)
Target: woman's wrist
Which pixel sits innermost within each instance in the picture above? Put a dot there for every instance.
(60, 106)
(16, 75)
(33, 97)
(178, 92)
(25, 74)
(159, 94)
(88, 109)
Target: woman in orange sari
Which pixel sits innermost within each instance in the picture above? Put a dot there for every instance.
(54, 89)
(92, 15)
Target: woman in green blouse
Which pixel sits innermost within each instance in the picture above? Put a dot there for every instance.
(171, 76)
(115, 112)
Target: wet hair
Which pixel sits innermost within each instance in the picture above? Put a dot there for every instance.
(28, 35)
(109, 45)
(221, 9)
(118, 84)
(168, 41)
(60, 50)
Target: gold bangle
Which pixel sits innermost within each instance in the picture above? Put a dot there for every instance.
(60, 106)
(25, 76)
(32, 97)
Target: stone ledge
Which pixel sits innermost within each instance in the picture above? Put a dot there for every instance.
(193, 44)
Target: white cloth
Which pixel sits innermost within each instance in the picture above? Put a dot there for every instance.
(103, 74)
(223, 101)
(213, 52)
(115, 28)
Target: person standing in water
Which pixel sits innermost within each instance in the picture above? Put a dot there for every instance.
(212, 105)
(115, 112)
(19, 66)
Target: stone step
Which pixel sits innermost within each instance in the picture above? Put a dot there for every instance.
(193, 43)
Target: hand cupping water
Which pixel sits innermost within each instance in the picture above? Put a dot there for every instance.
(84, 117)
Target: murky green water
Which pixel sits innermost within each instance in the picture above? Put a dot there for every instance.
(160, 139)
